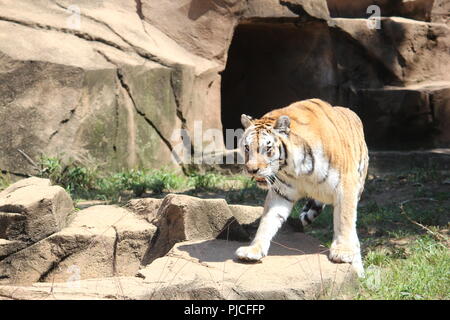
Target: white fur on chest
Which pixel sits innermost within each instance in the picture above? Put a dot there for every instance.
(311, 175)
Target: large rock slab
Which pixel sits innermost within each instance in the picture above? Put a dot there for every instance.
(101, 241)
(297, 267)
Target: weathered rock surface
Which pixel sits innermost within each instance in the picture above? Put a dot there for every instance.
(116, 83)
(101, 241)
(183, 218)
(179, 247)
(111, 80)
(413, 9)
(31, 210)
(146, 207)
(296, 268)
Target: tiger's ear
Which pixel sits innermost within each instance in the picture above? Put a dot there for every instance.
(282, 124)
(246, 121)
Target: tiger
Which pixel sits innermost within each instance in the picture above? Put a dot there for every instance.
(309, 149)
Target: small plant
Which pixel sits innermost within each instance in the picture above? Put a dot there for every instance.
(74, 177)
(5, 180)
(50, 168)
(205, 181)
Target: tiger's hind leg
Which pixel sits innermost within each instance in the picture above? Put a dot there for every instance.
(311, 211)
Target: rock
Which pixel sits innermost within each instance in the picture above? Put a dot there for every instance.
(409, 51)
(147, 207)
(111, 98)
(297, 267)
(129, 288)
(31, 210)
(246, 215)
(413, 9)
(416, 113)
(8, 247)
(183, 218)
(441, 111)
(440, 12)
(33, 181)
(383, 162)
(101, 241)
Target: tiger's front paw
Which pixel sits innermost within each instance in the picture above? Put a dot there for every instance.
(251, 253)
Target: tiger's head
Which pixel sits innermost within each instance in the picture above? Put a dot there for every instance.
(262, 146)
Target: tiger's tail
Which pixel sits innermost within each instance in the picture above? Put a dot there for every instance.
(311, 211)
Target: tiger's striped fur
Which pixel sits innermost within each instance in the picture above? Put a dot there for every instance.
(308, 149)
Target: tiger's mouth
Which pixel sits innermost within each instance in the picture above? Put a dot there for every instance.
(261, 181)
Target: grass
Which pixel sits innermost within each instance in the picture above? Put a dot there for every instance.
(419, 271)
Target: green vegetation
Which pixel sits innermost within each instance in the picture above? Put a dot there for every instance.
(206, 181)
(419, 271)
(5, 181)
(87, 183)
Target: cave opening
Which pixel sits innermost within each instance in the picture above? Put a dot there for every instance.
(272, 64)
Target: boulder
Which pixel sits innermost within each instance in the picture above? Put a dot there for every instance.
(101, 241)
(246, 215)
(33, 181)
(32, 209)
(297, 267)
(183, 218)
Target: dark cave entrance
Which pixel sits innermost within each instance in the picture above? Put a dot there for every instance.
(272, 64)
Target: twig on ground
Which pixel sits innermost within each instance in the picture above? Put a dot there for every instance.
(436, 235)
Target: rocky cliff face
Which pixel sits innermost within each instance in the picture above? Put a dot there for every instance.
(109, 81)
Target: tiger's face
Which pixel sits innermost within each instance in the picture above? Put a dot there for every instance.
(261, 147)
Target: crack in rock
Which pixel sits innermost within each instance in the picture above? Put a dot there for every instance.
(79, 34)
(63, 122)
(114, 254)
(139, 112)
(139, 51)
(139, 9)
